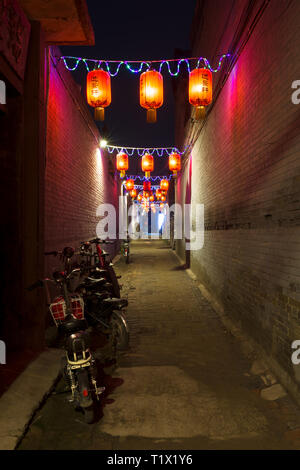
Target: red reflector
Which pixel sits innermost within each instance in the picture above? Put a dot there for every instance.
(85, 392)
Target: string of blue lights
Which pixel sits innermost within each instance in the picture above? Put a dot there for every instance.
(72, 63)
(151, 178)
(140, 151)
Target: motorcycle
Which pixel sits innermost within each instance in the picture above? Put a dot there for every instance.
(103, 311)
(100, 259)
(78, 365)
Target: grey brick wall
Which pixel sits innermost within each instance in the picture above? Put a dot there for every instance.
(246, 171)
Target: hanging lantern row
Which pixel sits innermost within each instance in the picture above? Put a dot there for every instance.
(147, 193)
(147, 164)
(151, 91)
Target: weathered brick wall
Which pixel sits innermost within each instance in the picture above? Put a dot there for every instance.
(246, 171)
(78, 176)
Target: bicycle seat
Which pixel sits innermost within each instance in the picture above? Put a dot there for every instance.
(92, 280)
(116, 303)
(72, 325)
(105, 253)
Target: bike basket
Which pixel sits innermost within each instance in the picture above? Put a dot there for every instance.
(58, 309)
(77, 304)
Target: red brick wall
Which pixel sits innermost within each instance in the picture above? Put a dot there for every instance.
(77, 172)
(246, 171)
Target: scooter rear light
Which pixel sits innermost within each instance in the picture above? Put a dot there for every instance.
(85, 392)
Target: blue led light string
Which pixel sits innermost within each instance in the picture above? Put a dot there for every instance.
(151, 178)
(98, 63)
(186, 61)
(207, 64)
(140, 151)
(140, 186)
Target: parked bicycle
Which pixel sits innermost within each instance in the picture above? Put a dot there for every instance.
(126, 250)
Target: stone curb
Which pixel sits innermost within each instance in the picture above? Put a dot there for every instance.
(19, 403)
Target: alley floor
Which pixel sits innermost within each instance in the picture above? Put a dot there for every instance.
(184, 382)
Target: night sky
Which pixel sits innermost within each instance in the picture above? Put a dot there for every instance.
(137, 30)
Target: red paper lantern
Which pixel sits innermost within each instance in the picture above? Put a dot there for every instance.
(163, 198)
(151, 92)
(133, 193)
(174, 162)
(140, 197)
(200, 90)
(164, 185)
(122, 163)
(147, 164)
(158, 193)
(129, 185)
(147, 186)
(98, 92)
(151, 198)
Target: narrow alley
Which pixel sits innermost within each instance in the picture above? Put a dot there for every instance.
(184, 383)
(150, 241)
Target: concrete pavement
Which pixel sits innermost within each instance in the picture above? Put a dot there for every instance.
(185, 382)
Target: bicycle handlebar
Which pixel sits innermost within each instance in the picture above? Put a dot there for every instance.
(98, 240)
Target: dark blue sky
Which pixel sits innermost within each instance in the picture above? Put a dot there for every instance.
(137, 30)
